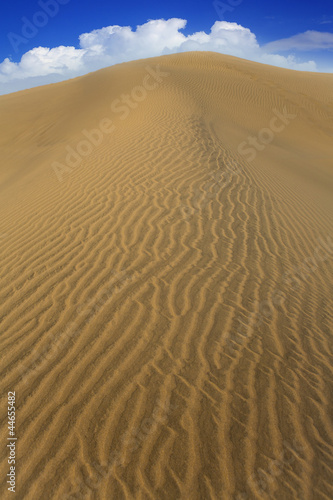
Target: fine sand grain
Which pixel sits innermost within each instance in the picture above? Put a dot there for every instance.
(166, 300)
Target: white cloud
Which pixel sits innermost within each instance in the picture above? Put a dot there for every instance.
(310, 40)
(228, 38)
(42, 61)
(152, 37)
(114, 44)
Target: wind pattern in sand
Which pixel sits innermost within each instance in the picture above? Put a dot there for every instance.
(162, 332)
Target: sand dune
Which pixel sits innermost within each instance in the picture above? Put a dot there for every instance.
(166, 301)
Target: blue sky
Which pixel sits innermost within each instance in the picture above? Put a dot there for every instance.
(297, 35)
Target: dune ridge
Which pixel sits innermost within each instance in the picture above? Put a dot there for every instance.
(166, 304)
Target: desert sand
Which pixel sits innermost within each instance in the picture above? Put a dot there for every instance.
(166, 286)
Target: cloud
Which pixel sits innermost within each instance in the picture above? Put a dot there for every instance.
(310, 40)
(114, 44)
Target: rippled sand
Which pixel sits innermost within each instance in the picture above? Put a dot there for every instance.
(166, 293)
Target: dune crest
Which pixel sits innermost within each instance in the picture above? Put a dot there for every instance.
(166, 302)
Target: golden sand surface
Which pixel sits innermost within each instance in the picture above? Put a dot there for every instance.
(166, 282)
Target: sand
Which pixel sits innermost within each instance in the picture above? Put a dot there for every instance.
(166, 293)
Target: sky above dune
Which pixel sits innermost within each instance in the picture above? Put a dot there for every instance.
(51, 40)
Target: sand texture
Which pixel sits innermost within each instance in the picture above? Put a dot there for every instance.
(166, 293)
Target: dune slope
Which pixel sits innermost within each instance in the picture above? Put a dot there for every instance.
(166, 282)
